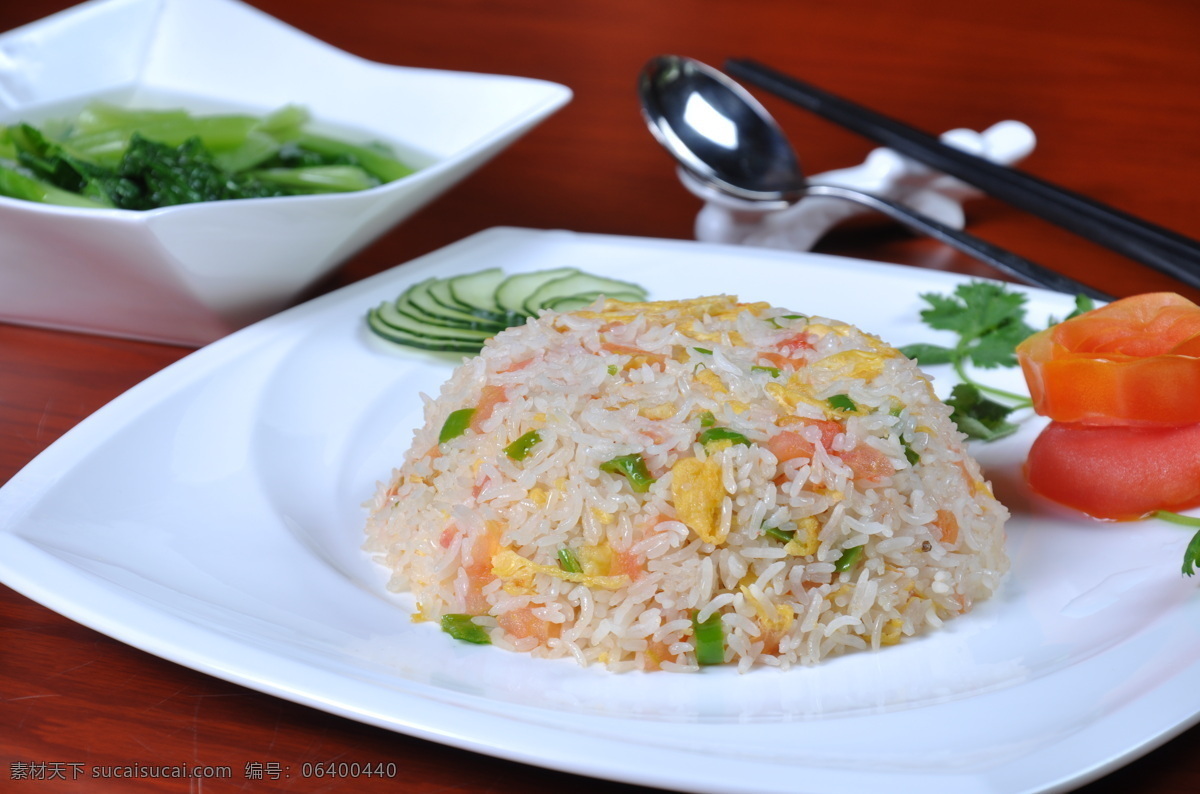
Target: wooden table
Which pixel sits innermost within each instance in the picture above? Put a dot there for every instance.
(1111, 87)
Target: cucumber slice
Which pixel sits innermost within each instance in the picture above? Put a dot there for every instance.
(392, 334)
(513, 292)
(576, 284)
(476, 293)
(419, 302)
(388, 314)
(571, 303)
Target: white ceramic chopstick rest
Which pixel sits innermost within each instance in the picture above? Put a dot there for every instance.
(885, 173)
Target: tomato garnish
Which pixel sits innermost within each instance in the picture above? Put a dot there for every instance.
(1135, 361)
(1117, 472)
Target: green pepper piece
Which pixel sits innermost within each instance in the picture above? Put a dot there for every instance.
(785, 535)
(848, 558)
(519, 449)
(568, 561)
(842, 402)
(710, 639)
(634, 469)
(456, 424)
(461, 627)
(722, 434)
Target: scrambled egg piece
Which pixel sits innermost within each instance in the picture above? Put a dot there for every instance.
(710, 379)
(697, 493)
(775, 620)
(891, 632)
(858, 364)
(517, 572)
(719, 307)
(661, 411)
(793, 393)
(805, 542)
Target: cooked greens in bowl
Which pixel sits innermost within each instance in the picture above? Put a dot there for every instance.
(108, 156)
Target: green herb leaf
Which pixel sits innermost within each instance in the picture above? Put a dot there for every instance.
(1191, 555)
(773, 371)
(703, 350)
(928, 355)
(978, 416)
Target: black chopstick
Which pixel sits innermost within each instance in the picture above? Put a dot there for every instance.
(1145, 242)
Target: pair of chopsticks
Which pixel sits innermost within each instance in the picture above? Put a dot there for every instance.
(1160, 248)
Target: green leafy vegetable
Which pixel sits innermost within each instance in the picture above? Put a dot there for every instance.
(712, 434)
(109, 156)
(456, 424)
(633, 467)
(519, 449)
(710, 639)
(703, 350)
(772, 371)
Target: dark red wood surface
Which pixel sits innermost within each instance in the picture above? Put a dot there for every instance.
(1111, 87)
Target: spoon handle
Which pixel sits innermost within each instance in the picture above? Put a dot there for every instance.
(999, 258)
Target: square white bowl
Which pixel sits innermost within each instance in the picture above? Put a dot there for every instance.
(192, 273)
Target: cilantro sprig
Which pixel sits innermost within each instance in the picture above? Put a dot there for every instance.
(989, 321)
(1191, 555)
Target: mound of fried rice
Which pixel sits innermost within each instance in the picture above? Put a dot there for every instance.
(790, 474)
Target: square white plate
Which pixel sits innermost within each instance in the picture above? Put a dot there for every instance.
(211, 515)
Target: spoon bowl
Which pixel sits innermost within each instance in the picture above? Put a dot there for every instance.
(718, 132)
(724, 139)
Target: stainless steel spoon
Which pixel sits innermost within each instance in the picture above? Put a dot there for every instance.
(726, 140)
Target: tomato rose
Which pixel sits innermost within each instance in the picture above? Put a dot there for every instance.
(1117, 471)
(1135, 361)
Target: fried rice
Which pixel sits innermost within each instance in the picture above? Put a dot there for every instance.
(657, 486)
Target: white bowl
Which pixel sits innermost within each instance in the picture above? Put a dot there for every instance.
(192, 273)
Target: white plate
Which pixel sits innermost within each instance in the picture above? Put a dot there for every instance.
(212, 516)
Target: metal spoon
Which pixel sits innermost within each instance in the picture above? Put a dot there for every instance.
(726, 140)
